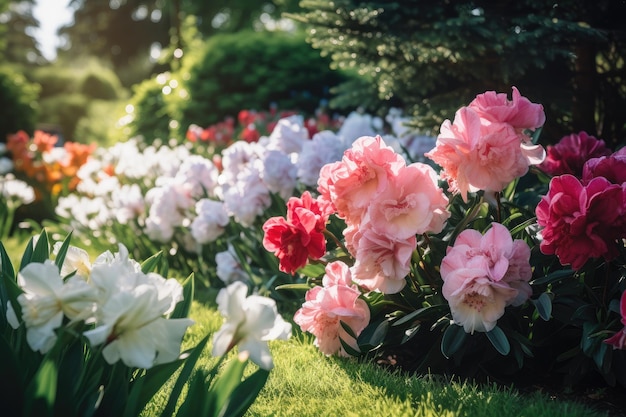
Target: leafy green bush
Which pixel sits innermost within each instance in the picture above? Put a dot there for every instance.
(101, 84)
(17, 101)
(54, 80)
(253, 70)
(149, 113)
(64, 111)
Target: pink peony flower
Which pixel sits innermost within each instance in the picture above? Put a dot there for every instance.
(477, 154)
(618, 340)
(363, 172)
(579, 221)
(326, 307)
(411, 203)
(382, 263)
(570, 154)
(520, 113)
(484, 274)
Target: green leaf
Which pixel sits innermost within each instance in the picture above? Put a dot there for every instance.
(421, 312)
(225, 384)
(190, 361)
(60, 258)
(373, 335)
(313, 270)
(553, 276)
(183, 307)
(150, 264)
(245, 393)
(294, 287)
(543, 304)
(348, 329)
(499, 341)
(11, 393)
(349, 349)
(28, 253)
(40, 393)
(452, 340)
(41, 252)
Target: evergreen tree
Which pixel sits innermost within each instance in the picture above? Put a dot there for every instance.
(20, 47)
(431, 57)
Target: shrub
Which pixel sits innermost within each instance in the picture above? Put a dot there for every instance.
(102, 84)
(254, 70)
(17, 101)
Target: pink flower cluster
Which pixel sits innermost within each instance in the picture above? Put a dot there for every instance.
(385, 204)
(583, 217)
(298, 237)
(487, 146)
(326, 306)
(482, 274)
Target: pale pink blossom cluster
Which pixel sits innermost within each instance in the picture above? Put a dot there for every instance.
(385, 204)
(482, 274)
(487, 145)
(326, 307)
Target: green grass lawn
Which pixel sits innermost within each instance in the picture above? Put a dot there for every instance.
(304, 383)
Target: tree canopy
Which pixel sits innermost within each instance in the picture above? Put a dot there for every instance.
(428, 57)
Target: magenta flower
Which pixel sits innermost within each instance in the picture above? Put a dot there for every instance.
(581, 221)
(612, 167)
(570, 154)
(484, 274)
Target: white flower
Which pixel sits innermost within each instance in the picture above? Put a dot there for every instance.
(46, 300)
(248, 197)
(279, 173)
(135, 330)
(199, 175)
(15, 191)
(357, 124)
(250, 323)
(76, 260)
(229, 269)
(325, 147)
(128, 203)
(132, 314)
(211, 221)
(289, 135)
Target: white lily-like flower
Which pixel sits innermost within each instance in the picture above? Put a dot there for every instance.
(46, 300)
(135, 330)
(251, 321)
(132, 318)
(76, 260)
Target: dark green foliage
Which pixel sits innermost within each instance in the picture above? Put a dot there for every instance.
(18, 103)
(252, 70)
(64, 111)
(428, 56)
(54, 80)
(101, 85)
(150, 114)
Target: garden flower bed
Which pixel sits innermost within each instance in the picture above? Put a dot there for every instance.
(478, 254)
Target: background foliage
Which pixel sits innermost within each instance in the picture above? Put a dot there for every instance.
(426, 56)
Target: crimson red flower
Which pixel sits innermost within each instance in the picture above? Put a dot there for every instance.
(570, 154)
(581, 221)
(300, 236)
